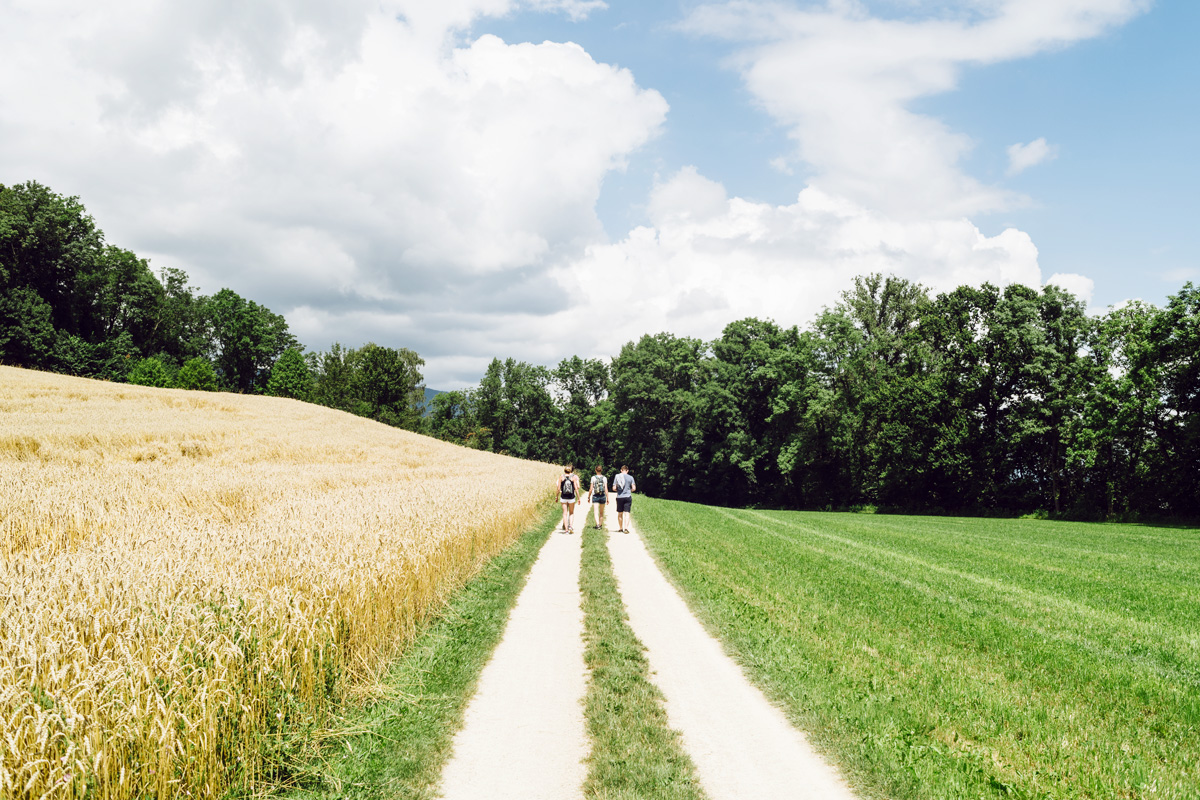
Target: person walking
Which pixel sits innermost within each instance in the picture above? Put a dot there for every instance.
(598, 495)
(568, 495)
(624, 487)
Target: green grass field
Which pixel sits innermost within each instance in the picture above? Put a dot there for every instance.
(935, 657)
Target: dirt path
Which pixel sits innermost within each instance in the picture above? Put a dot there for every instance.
(524, 737)
(743, 747)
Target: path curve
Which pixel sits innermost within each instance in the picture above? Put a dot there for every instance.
(744, 748)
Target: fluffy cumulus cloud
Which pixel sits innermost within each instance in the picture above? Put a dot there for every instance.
(366, 169)
(707, 259)
(357, 166)
(886, 191)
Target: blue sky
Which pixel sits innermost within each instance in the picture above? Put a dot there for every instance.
(473, 178)
(1119, 202)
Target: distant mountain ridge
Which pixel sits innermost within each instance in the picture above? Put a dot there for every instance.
(427, 403)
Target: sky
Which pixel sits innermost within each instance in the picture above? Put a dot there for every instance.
(544, 178)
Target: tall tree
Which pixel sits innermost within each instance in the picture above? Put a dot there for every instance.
(1175, 348)
(47, 244)
(516, 410)
(290, 376)
(452, 417)
(654, 397)
(387, 385)
(247, 338)
(1120, 411)
(582, 388)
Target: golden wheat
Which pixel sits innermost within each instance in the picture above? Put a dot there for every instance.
(188, 579)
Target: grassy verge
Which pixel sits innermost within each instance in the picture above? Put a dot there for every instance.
(940, 657)
(634, 753)
(396, 747)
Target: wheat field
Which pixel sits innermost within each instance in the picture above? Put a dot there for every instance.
(191, 582)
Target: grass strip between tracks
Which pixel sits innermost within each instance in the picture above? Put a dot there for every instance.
(941, 657)
(634, 753)
(396, 747)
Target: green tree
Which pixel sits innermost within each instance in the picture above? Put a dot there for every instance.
(655, 381)
(119, 294)
(248, 340)
(182, 326)
(333, 378)
(197, 373)
(862, 351)
(47, 243)
(581, 386)
(1120, 412)
(452, 418)
(387, 384)
(27, 335)
(736, 421)
(1175, 350)
(150, 372)
(290, 376)
(516, 410)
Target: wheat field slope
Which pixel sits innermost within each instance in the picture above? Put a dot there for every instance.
(190, 581)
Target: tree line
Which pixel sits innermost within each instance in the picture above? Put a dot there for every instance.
(72, 303)
(979, 400)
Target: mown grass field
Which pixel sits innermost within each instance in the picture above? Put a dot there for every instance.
(959, 658)
(193, 584)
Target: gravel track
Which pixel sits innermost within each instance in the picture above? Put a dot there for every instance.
(524, 734)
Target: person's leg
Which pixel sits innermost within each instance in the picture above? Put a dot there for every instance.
(623, 504)
(566, 516)
(571, 517)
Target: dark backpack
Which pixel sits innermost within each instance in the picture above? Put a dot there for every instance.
(567, 491)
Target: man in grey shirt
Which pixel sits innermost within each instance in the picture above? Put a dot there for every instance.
(624, 487)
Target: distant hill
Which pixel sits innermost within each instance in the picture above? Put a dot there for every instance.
(427, 403)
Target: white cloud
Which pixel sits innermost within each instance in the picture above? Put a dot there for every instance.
(886, 194)
(1081, 286)
(1023, 156)
(355, 166)
(842, 80)
(708, 259)
(371, 173)
(575, 9)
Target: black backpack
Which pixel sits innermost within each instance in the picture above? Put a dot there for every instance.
(568, 488)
